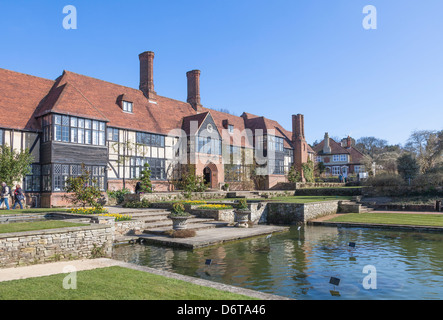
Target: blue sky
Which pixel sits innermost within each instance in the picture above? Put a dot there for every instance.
(271, 58)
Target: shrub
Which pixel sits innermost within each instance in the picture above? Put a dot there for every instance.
(242, 204)
(428, 180)
(81, 190)
(178, 210)
(181, 233)
(308, 171)
(118, 195)
(293, 175)
(144, 203)
(192, 183)
(385, 180)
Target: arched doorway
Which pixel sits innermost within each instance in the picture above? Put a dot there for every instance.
(210, 175)
(207, 173)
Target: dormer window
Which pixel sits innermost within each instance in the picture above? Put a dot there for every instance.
(127, 106)
(231, 128)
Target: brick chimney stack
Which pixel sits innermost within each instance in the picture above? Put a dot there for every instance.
(326, 146)
(147, 74)
(349, 142)
(194, 89)
(299, 143)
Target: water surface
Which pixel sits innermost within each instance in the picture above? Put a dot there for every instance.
(300, 264)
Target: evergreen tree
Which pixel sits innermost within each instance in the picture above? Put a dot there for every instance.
(145, 179)
(407, 166)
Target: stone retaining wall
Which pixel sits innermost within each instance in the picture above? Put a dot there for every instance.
(294, 213)
(128, 228)
(40, 246)
(356, 191)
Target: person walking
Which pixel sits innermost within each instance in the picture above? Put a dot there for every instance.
(5, 195)
(19, 196)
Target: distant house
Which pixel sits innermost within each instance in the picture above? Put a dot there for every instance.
(339, 158)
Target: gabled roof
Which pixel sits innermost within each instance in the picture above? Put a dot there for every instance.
(20, 95)
(254, 122)
(187, 122)
(65, 98)
(236, 121)
(336, 148)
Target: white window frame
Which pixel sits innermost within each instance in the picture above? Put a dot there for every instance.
(335, 170)
(127, 106)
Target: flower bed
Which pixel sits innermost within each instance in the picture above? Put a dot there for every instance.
(87, 211)
(117, 216)
(194, 202)
(215, 207)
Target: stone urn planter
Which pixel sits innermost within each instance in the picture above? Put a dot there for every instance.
(179, 217)
(179, 222)
(242, 214)
(242, 218)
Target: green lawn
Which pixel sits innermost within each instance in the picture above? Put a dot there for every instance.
(36, 225)
(113, 283)
(434, 220)
(33, 210)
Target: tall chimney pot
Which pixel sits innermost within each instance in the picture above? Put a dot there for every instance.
(194, 89)
(147, 74)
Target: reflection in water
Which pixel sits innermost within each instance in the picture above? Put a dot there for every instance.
(299, 264)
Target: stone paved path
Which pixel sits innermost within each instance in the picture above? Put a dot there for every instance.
(215, 236)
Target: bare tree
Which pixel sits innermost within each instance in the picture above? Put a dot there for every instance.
(427, 146)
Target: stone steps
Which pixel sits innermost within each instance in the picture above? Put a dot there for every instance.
(363, 208)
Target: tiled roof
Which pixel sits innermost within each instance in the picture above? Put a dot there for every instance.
(98, 99)
(336, 148)
(20, 95)
(26, 97)
(199, 118)
(238, 123)
(261, 123)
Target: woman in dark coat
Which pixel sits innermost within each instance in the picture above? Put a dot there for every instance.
(19, 196)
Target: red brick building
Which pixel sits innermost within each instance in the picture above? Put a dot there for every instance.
(114, 130)
(339, 158)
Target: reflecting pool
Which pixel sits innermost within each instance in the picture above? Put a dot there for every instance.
(383, 264)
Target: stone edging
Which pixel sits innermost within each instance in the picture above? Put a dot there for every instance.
(376, 225)
(52, 231)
